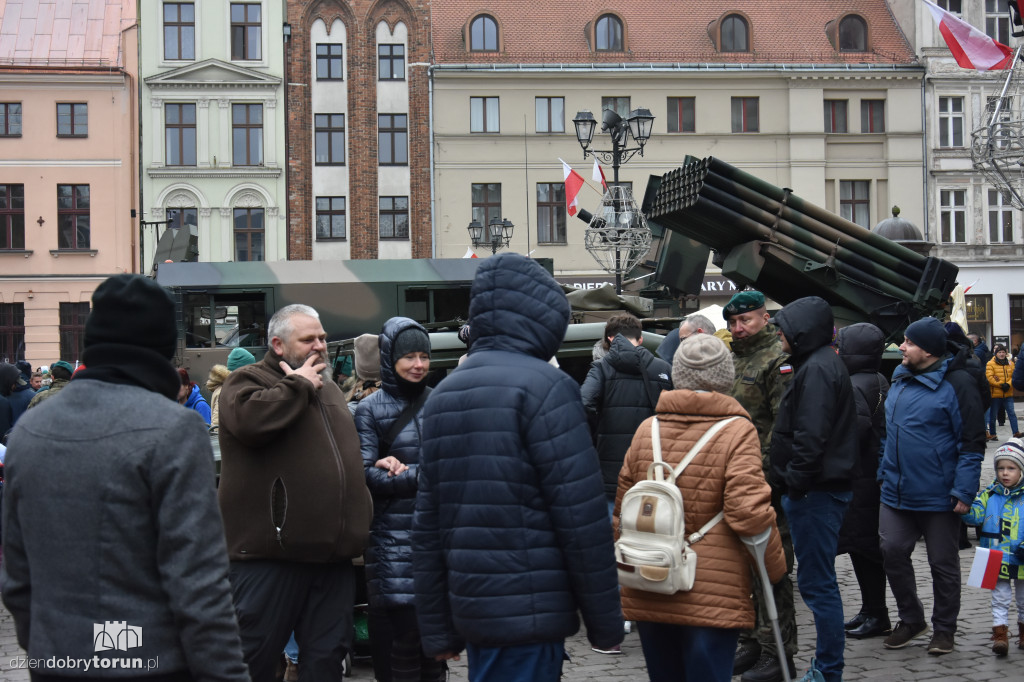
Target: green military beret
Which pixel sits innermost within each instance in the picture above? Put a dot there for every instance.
(743, 302)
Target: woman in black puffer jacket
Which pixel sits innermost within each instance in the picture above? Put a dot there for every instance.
(860, 348)
(391, 477)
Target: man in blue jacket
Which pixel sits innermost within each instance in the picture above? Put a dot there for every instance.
(511, 538)
(930, 468)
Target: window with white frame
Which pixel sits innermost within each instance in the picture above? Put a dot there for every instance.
(953, 216)
(1000, 218)
(951, 122)
(854, 201)
(997, 21)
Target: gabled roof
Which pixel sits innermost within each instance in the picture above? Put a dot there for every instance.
(64, 33)
(666, 31)
(212, 73)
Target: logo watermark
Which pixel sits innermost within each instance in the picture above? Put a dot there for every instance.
(116, 635)
(112, 635)
(83, 664)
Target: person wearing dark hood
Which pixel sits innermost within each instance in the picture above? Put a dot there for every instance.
(511, 539)
(860, 348)
(813, 456)
(111, 520)
(22, 391)
(388, 422)
(6, 413)
(929, 475)
(974, 366)
(620, 392)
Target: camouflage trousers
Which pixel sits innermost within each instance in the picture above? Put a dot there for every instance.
(783, 593)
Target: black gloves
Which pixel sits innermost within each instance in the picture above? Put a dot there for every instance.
(1005, 387)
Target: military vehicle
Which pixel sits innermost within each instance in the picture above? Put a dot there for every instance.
(768, 238)
(222, 306)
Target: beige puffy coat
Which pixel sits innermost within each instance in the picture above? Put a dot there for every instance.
(726, 474)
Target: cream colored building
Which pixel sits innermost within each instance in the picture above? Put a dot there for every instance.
(971, 222)
(213, 147)
(68, 169)
(870, 158)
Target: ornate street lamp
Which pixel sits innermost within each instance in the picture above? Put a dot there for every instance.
(618, 236)
(498, 233)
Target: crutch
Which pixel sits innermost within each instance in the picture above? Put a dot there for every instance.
(756, 545)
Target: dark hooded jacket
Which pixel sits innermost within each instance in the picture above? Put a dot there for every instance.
(860, 348)
(619, 393)
(511, 539)
(974, 366)
(814, 446)
(389, 555)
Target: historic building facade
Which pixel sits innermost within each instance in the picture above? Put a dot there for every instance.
(213, 134)
(68, 168)
(969, 219)
(825, 101)
(358, 129)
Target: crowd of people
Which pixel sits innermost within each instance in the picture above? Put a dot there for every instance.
(487, 506)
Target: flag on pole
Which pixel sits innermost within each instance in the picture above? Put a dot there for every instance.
(469, 253)
(599, 172)
(573, 182)
(985, 569)
(971, 48)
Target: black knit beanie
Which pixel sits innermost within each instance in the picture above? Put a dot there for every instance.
(410, 340)
(929, 335)
(132, 310)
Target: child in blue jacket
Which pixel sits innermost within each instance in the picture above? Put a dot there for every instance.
(999, 510)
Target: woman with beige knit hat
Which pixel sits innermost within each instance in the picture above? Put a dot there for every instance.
(692, 635)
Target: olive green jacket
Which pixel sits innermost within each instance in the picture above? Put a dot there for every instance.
(762, 373)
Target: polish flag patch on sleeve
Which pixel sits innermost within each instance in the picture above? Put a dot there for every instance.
(785, 369)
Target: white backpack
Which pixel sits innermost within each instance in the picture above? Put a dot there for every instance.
(653, 552)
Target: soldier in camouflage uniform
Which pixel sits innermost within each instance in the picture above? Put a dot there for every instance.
(762, 373)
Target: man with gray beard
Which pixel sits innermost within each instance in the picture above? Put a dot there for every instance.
(294, 499)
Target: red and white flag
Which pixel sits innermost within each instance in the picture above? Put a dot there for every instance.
(469, 253)
(599, 172)
(573, 183)
(985, 569)
(971, 48)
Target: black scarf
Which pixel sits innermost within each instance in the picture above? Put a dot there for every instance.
(1004, 361)
(119, 363)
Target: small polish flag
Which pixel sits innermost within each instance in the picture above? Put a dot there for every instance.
(985, 569)
(573, 183)
(971, 48)
(599, 173)
(470, 254)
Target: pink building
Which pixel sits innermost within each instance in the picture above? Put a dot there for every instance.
(68, 167)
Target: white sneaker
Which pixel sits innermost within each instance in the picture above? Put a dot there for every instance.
(627, 626)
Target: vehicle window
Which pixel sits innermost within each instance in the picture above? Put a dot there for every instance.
(224, 320)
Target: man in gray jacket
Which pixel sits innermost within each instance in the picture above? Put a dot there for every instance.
(114, 553)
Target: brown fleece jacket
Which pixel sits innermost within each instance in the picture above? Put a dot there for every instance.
(727, 474)
(292, 486)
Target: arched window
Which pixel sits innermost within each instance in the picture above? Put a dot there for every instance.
(608, 34)
(853, 34)
(735, 35)
(483, 34)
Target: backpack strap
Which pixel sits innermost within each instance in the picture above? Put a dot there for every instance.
(701, 442)
(699, 535)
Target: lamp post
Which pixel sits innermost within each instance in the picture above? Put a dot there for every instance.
(637, 126)
(498, 233)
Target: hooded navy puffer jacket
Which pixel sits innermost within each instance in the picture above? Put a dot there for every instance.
(511, 538)
(389, 555)
(814, 445)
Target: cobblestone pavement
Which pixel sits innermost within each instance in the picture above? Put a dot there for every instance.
(972, 661)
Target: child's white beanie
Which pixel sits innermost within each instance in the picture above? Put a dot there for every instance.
(1013, 450)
